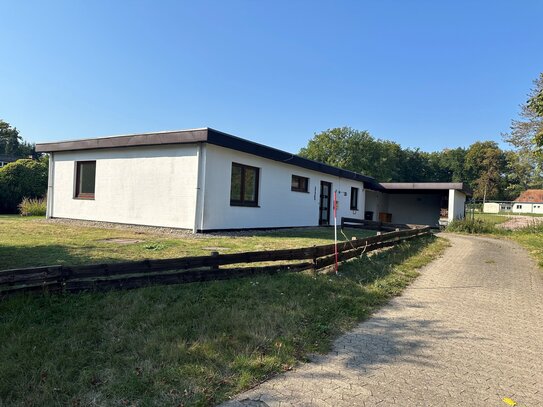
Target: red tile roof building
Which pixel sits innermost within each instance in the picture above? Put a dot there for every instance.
(531, 196)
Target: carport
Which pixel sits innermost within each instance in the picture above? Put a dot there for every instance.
(425, 203)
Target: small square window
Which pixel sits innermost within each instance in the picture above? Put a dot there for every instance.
(85, 179)
(299, 184)
(354, 199)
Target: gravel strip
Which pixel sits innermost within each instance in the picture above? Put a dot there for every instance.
(519, 222)
(173, 232)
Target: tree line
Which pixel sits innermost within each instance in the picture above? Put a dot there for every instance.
(12, 144)
(491, 172)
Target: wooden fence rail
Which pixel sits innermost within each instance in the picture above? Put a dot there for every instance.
(134, 274)
(374, 225)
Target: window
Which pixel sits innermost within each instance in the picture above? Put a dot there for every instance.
(244, 185)
(519, 206)
(85, 179)
(354, 199)
(299, 184)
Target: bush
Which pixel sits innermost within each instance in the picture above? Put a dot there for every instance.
(22, 179)
(33, 207)
(471, 226)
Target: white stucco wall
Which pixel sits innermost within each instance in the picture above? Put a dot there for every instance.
(457, 201)
(491, 207)
(278, 205)
(153, 185)
(537, 208)
(421, 209)
(519, 207)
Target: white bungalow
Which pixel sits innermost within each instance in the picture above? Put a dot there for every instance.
(206, 180)
(529, 201)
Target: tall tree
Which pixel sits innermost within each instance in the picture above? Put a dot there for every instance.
(527, 133)
(485, 166)
(520, 175)
(448, 165)
(9, 139)
(535, 102)
(355, 150)
(415, 166)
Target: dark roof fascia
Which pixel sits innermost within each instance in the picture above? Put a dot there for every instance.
(405, 187)
(417, 191)
(133, 140)
(211, 136)
(221, 139)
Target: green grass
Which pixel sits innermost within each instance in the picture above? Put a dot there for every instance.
(481, 223)
(492, 219)
(531, 238)
(191, 344)
(32, 241)
(535, 215)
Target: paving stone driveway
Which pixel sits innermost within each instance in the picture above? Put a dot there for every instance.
(468, 331)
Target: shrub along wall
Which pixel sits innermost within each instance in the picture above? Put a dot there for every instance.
(22, 179)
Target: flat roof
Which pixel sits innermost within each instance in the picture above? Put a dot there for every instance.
(204, 135)
(424, 186)
(219, 138)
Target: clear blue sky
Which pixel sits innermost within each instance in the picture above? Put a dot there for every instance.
(428, 74)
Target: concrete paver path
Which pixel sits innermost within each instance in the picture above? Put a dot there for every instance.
(467, 332)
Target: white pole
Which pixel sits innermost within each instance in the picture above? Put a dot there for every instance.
(335, 230)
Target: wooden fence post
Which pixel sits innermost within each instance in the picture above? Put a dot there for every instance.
(215, 254)
(314, 260)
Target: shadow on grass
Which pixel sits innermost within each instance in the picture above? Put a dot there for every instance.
(189, 344)
(43, 255)
(321, 232)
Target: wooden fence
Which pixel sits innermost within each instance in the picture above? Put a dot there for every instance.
(134, 274)
(374, 225)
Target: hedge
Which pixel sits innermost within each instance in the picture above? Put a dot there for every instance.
(24, 178)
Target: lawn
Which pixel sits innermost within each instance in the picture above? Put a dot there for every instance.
(532, 239)
(181, 345)
(26, 242)
(493, 219)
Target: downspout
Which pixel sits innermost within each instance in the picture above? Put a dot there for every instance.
(203, 185)
(50, 186)
(200, 189)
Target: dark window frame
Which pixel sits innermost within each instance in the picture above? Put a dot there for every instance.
(77, 188)
(243, 201)
(299, 177)
(354, 194)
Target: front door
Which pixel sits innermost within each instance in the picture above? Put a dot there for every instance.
(324, 206)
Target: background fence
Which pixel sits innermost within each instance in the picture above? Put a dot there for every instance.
(134, 274)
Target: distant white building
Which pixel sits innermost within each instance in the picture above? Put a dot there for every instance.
(530, 201)
(207, 180)
(497, 207)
